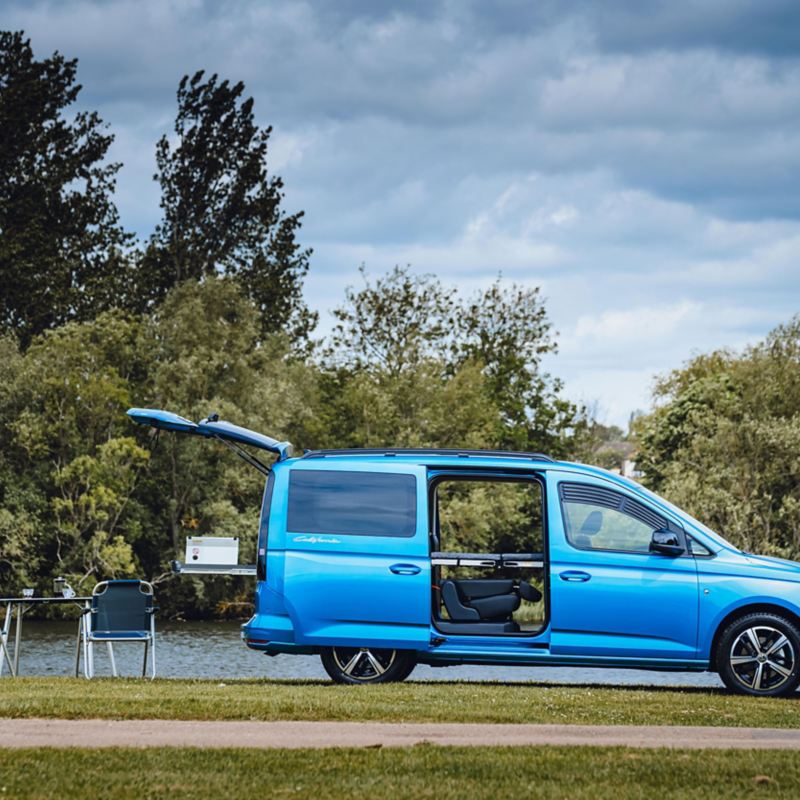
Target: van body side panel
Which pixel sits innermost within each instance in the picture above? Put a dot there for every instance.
(357, 590)
(732, 581)
(352, 599)
(624, 604)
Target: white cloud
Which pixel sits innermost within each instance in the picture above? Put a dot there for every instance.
(643, 328)
(640, 162)
(635, 284)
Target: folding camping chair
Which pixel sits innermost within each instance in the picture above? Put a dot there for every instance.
(122, 611)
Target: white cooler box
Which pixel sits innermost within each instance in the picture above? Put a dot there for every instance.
(212, 550)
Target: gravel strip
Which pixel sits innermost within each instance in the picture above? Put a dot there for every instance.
(16, 733)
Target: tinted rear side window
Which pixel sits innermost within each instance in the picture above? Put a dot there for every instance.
(263, 531)
(352, 503)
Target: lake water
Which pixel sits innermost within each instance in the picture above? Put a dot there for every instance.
(215, 650)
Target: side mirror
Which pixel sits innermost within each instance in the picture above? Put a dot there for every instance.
(667, 543)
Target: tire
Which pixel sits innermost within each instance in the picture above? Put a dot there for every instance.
(759, 654)
(363, 665)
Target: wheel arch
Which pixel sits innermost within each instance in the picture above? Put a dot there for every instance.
(743, 611)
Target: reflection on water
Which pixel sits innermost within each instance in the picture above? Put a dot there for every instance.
(215, 650)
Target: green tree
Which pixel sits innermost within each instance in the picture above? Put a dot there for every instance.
(87, 494)
(403, 327)
(420, 407)
(506, 329)
(724, 442)
(68, 470)
(207, 356)
(222, 210)
(393, 324)
(93, 492)
(62, 250)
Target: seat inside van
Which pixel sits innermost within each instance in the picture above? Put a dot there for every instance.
(476, 592)
(484, 605)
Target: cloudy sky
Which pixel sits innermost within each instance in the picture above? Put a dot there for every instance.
(637, 160)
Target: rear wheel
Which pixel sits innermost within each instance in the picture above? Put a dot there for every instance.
(759, 654)
(367, 664)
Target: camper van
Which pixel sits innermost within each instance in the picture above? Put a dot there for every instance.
(370, 559)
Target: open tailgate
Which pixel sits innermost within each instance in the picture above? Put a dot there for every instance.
(212, 427)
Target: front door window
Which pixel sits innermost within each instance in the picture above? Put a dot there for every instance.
(599, 519)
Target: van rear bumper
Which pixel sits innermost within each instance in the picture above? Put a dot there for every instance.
(278, 648)
(264, 630)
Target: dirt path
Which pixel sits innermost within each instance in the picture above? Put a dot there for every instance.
(178, 733)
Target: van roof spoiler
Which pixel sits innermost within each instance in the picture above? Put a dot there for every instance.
(213, 427)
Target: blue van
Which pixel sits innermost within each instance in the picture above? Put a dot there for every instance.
(361, 559)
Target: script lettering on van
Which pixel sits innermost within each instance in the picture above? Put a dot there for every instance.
(317, 539)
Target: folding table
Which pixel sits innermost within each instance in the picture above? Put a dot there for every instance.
(23, 605)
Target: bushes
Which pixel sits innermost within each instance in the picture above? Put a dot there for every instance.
(724, 442)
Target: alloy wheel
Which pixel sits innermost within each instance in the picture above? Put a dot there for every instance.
(363, 663)
(762, 658)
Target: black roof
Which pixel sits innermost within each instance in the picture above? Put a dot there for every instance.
(425, 451)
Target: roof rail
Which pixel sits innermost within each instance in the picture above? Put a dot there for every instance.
(425, 451)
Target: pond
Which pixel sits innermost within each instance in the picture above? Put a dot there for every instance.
(215, 650)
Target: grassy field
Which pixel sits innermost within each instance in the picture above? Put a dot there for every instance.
(417, 772)
(422, 702)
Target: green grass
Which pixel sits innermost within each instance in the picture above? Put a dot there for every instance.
(423, 702)
(419, 772)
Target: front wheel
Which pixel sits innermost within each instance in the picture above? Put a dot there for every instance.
(759, 654)
(367, 664)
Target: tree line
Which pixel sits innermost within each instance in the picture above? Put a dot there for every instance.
(64, 253)
(207, 315)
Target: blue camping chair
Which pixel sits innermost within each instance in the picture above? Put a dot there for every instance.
(122, 611)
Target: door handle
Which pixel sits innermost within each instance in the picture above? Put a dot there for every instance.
(575, 576)
(405, 569)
